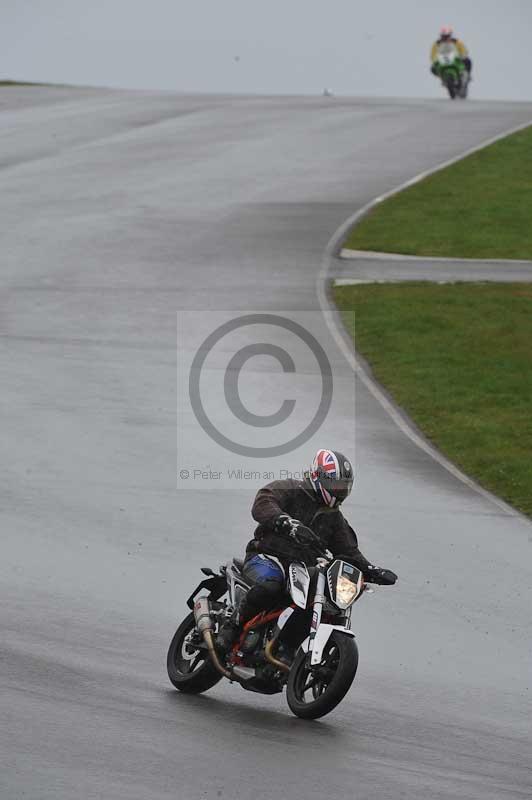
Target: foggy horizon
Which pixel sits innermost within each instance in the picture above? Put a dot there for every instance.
(351, 50)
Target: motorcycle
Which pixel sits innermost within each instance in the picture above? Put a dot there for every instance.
(452, 71)
(306, 646)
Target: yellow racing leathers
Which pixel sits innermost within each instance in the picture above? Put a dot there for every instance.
(462, 52)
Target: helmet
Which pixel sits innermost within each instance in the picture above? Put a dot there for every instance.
(331, 476)
(446, 32)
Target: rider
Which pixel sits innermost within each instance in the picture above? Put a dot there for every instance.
(297, 521)
(447, 35)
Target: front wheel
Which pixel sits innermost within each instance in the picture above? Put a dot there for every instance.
(450, 83)
(312, 692)
(189, 666)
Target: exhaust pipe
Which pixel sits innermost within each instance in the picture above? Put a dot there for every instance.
(204, 624)
(268, 652)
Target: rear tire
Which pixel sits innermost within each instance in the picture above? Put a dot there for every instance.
(310, 698)
(190, 669)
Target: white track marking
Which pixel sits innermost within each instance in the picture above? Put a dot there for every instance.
(335, 326)
(373, 255)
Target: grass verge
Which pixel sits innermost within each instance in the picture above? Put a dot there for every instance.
(21, 83)
(458, 359)
(480, 207)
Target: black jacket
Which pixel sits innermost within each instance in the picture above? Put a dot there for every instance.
(298, 500)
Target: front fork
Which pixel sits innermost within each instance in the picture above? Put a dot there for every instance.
(317, 609)
(320, 633)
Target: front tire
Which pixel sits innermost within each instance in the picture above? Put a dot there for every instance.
(189, 668)
(312, 693)
(450, 84)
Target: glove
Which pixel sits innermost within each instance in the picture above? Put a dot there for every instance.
(304, 537)
(283, 524)
(385, 577)
(299, 534)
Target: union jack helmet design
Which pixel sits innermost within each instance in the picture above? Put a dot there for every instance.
(331, 476)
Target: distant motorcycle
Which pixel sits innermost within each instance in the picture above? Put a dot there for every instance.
(307, 645)
(452, 71)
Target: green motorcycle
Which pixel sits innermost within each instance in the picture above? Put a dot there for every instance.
(451, 69)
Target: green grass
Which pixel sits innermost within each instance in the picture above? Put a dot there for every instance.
(21, 83)
(8, 83)
(480, 207)
(458, 359)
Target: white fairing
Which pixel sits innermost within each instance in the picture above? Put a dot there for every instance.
(298, 583)
(285, 616)
(447, 54)
(236, 584)
(323, 634)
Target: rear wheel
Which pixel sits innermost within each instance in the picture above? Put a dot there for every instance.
(312, 692)
(189, 666)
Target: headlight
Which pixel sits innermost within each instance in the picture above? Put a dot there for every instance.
(346, 591)
(345, 583)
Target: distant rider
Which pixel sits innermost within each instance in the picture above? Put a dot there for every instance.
(447, 37)
(298, 520)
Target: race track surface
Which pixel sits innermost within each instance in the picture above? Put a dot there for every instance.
(120, 212)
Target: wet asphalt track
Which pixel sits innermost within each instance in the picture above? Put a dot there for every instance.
(119, 209)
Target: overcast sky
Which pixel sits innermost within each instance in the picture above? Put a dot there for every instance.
(369, 47)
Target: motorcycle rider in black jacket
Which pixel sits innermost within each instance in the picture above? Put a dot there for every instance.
(297, 521)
